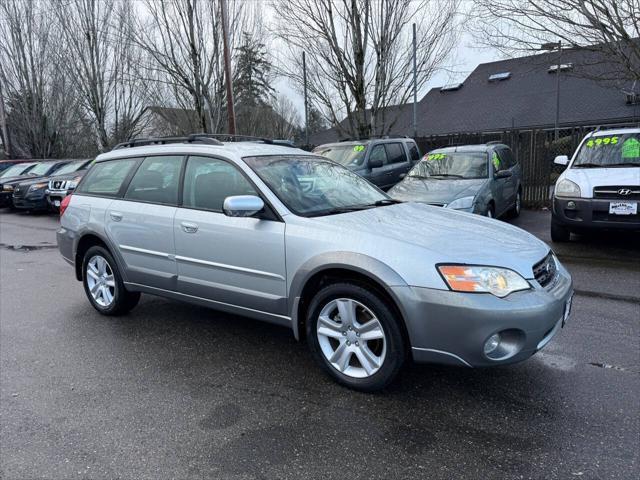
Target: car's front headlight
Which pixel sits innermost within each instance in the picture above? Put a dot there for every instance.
(477, 278)
(464, 202)
(73, 183)
(7, 188)
(37, 186)
(567, 188)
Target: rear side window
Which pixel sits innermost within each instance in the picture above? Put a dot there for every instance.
(414, 153)
(156, 181)
(106, 178)
(395, 152)
(208, 181)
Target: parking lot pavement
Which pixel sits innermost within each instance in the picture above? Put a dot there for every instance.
(177, 391)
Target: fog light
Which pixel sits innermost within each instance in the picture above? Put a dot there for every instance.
(571, 205)
(492, 343)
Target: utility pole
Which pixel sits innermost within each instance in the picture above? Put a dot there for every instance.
(550, 47)
(3, 126)
(306, 101)
(231, 116)
(415, 85)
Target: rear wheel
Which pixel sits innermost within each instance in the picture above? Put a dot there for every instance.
(355, 336)
(103, 283)
(559, 233)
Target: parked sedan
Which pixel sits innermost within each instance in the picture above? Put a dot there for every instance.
(483, 179)
(295, 239)
(10, 188)
(15, 172)
(33, 194)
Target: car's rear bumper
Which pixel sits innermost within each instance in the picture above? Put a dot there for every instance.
(452, 328)
(592, 213)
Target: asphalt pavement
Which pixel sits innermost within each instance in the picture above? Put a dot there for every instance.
(177, 391)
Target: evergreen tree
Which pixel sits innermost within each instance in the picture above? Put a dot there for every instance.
(252, 82)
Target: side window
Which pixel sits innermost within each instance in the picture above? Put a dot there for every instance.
(156, 181)
(507, 158)
(106, 178)
(498, 162)
(379, 152)
(208, 181)
(414, 153)
(395, 153)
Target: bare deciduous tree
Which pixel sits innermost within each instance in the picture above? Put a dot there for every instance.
(359, 53)
(608, 27)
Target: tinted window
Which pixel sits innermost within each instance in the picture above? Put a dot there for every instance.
(395, 152)
(208, 181)
(507, 158)
(379, 152)
(156, 181)
(414, 153)
(106, 178)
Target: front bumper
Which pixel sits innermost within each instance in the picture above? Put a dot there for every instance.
(592, 213)
(54, 196)
(35, 201)
(5, 199)
(451, 327)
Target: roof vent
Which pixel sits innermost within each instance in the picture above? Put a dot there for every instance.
(451, 87)
(496, 77)
(632, 98)
(563, 67)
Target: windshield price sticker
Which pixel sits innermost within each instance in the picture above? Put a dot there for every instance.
(358, 148)
(600, 141)
(631, 148)
(496, 161)
(436, 156)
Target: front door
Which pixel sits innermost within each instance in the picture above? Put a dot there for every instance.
(230, 260)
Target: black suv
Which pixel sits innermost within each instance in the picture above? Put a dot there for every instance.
(384, 161)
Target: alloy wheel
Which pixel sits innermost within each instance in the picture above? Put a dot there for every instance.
(100, 280)
(351, 338)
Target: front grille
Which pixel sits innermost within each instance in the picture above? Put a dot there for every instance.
(57, 184)
(606, 217)
(620, 192)
(19, 192)
(545, 270)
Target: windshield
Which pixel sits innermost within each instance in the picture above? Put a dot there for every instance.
(310, 186)
(69, 168)
(40, 169)
(347, 155)
(452, 165)
(15, 170)
(609, 151)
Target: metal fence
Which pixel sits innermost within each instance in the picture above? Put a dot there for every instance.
(535, 149)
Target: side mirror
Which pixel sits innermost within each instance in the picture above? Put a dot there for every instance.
(561, 160)
(504, 174)
(375, 163)
(242, 205)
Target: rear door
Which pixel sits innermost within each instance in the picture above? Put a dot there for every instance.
(231, 260)
(378, 176)
(141, 223)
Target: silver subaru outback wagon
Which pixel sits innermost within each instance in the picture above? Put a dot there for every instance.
(292, 238)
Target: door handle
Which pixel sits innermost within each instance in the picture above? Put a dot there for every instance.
(115, 216)
(189, 227)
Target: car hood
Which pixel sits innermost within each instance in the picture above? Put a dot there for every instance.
(588, 178)
(31, 180)
(15, 180)
(69, 176)
(434, 190)
(450, 236)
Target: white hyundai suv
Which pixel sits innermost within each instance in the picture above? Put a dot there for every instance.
(601, 187)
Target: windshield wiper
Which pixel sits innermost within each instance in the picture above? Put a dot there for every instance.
(355, 208)
(628, 164)
(447, 175)
(422, 177)
(588, 165)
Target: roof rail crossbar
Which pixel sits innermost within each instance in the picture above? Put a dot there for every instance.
(193, 138)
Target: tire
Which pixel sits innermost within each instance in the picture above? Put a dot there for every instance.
(491, 211)
(111, 297)
(559, 233)
(515, 211)
(383, 353)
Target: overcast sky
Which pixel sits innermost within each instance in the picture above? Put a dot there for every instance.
(464, 60)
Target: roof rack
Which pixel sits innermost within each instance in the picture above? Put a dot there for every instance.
(373, 137)
(208, 138)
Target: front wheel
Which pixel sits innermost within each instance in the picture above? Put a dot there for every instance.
(515, 211)
(355, 336)
(559, 233)
(103, 283)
